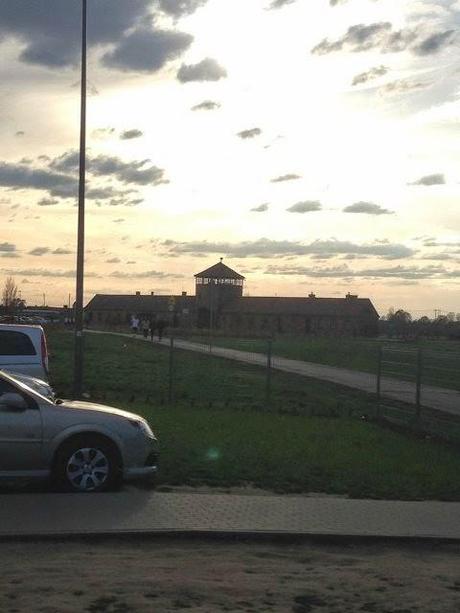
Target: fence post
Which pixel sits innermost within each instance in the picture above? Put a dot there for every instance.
(379, 379)
(418, 383)
(171, 368)
(269, 373)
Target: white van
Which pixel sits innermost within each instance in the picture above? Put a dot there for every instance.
(23, 350)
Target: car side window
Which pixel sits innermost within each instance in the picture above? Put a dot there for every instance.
(8, 388)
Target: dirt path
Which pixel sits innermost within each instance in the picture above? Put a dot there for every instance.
(115, 576)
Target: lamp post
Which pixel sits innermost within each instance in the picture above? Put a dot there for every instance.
(78, 364)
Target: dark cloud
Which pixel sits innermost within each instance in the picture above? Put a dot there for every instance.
(251, 133)
(306, 206)
(129, 134)
(369, 75)
(137, 172)
(7, 247)
(39, 251)
(206, 70)
(434, 42)
(288, 177)
(427, 180)
(261, 208)
(367, 207)
(48, 202)
(119, 220)
(49, 30)
(267, 248)
(206, 105)
(179, 8)
(8, 254)
(20, 133)
(381, 36)
(61, 251)
(113, 261)
(147, 50)
(17, 176)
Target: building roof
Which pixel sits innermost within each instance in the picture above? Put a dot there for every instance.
(350, 307)
(219, 271)
(138, 303)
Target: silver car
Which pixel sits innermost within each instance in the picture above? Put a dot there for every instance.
(82, 446)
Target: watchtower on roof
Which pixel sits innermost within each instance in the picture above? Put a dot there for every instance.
(217, 286)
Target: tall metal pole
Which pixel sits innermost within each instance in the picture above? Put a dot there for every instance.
(78, 367)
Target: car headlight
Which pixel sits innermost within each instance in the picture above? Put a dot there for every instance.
(143, 426)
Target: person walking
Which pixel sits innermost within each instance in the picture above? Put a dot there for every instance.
(161, 325)
(145, 327)
(134, 324)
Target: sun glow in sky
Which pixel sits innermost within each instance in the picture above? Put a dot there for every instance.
(311, 143)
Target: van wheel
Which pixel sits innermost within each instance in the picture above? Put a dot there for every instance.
(87, 464)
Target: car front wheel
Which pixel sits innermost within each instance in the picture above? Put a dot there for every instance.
(87, 465)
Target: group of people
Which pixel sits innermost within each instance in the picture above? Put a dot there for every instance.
(148, 326)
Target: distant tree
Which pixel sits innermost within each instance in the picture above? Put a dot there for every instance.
(401, 321)
(11, 302)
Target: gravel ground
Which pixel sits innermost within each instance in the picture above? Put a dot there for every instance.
(161, 575)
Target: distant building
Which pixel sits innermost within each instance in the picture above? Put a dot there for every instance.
(219, 304)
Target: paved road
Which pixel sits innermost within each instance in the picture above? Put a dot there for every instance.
(433, 397)
(138, 511)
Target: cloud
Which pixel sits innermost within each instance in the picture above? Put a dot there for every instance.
(130, 134)
(288, 177)
(7, 247)
(39, 251)
(47, 202)
(8, 254)
(113, 261)
(49, 30)
(267, 248)
(135, 172)
(402, 85)
(369, 75)
(381, 36)
(206, 70)
(367, 207)
(344, 272)
(18, 176)
(179, 8)
(306, 206)
(119, 220)
(20, 133)
(251, 133)
(428, 180)
(277, 4)
(261, 208)
(61, 251)
(433, 43)
(147, 50)
(206, 105)
(44, 272)
(147, 274)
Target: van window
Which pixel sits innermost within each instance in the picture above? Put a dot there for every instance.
(15, 343)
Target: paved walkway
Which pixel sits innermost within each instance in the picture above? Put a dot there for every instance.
(433, 397)
(138, 511)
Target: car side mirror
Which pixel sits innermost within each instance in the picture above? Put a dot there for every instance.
(13, 402)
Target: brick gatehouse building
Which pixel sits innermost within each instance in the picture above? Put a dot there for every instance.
(219, 304)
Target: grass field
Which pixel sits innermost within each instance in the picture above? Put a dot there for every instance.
(441, 359)
(220, 431)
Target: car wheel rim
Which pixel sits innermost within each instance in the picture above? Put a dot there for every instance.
(87, 469)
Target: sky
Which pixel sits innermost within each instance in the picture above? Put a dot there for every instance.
(313, 144)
